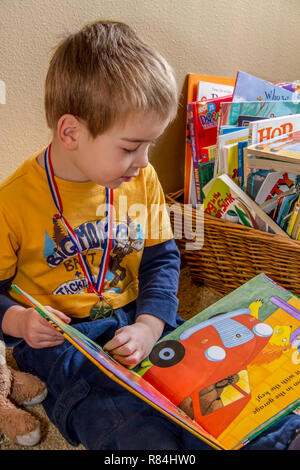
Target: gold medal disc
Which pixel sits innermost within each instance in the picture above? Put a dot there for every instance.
(101, 309)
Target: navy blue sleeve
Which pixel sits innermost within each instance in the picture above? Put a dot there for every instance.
(5, 303)
(158, 282)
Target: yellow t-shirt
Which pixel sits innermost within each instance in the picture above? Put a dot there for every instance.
(36, 250)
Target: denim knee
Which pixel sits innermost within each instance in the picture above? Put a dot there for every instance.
(83, 416)
(102, 415)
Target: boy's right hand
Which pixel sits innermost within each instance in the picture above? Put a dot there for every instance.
(37, 331)
(28, 324)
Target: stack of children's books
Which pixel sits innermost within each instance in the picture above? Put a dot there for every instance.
(226, 374)
(242, 157)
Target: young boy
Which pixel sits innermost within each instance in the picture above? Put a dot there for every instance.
(83, 230)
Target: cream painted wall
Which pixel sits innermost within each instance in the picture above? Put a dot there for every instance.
(201, 36)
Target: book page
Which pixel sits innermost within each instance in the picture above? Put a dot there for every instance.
(234, 367)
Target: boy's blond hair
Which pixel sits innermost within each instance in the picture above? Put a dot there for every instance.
(103, 73)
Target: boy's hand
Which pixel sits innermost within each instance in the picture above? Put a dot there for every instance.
(37, 331)
(132, 343)
(28, 324)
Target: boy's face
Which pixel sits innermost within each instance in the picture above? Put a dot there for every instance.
(117, 155)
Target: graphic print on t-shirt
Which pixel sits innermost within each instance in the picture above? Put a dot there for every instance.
(59, 249)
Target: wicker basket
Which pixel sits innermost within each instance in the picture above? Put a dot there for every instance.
(232, 254)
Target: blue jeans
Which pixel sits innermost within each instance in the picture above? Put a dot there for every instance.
(89, 408)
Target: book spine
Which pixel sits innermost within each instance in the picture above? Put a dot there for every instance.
(241, 147)
(252, 137)
(195, 158)
(187, 170)
(197, 127)
(292, 224)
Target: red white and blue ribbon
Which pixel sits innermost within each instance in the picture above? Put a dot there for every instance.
(93, 287)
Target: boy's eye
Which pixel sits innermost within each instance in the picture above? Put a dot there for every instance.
(126, 150)
(131, 150)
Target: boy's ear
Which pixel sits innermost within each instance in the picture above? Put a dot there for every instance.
(68, 131)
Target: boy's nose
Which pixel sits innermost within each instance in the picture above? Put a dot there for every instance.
(142, 159)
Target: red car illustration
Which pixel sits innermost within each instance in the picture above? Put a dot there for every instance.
(217, 351)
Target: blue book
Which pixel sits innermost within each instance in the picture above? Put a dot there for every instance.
(241, 146)
(228, 129)
(251, 88)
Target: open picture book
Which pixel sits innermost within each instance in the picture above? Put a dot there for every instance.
(226, 374)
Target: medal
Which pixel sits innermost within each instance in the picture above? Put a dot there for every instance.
(102, 308)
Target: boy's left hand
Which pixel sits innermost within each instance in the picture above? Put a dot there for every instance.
(132, 343)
